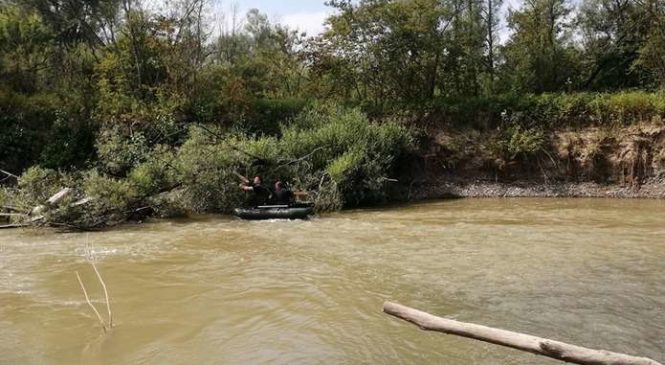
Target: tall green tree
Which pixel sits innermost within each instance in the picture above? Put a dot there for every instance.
(652, 52)
(387, 50)
(540, 56)
(490, 11)
(612, 33)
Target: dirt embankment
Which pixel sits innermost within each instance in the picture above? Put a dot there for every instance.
(620, 162)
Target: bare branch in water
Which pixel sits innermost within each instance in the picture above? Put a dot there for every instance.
(87, 299)
(106, 294)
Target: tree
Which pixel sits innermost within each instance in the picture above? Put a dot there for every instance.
(25, 49)
(612, 33)
(652, 53)
(539, 56)
(388, 50)
(73, 21)
(490, 17)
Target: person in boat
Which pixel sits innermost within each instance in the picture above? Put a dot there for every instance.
(282, 195)
(261, 193)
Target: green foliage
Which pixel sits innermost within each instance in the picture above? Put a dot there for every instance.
(35, 186)
(69, 146)
(612, 33)
(207, 167)
(336, 154)
(652, 52)
(39, 184)
(112, 201)
(356, 154)
(545, 111)
(539, 54)
(516, 141)
(24, 48)
(119, 152)
(124, 90)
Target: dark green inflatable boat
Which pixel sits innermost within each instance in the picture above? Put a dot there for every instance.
(299, 211)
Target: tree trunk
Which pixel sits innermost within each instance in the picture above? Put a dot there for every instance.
(537, 345)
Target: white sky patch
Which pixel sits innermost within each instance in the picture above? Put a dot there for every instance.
(504, 32)
(311, 23)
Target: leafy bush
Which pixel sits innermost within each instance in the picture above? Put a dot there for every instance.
(545, 111)
(336, 154)
(37, 184)
(356, 154)
(26, 122)
(516, 141)
(206, 166)
(119, 152)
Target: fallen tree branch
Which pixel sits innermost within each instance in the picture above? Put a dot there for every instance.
(9, 174)
(291, 162)
(259, 159)
(13, 215)
(11, 226)
(53, 201)
(537, 345)
(12, 209)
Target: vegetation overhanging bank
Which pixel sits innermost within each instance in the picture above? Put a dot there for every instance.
(143, 111)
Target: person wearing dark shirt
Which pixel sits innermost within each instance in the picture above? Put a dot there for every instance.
(261, 193)
(281, 194)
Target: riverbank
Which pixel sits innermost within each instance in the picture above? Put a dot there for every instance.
(612, 162)
(344, 158)
(450, 187)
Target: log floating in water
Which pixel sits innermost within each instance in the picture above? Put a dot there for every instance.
(537, 345)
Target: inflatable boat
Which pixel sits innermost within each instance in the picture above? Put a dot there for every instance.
(300, 211)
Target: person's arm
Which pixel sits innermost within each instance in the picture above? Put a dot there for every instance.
(243, 179)
(299, 195)
(245, 187)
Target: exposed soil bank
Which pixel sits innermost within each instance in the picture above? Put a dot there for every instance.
(617, 162)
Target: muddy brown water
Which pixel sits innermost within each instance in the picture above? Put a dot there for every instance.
(215, 290)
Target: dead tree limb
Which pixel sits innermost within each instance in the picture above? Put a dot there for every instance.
(259, 159)
(12, 226)
(537, 345)
(9, 174)
(52, 201)
(300, 159)
(13, 215)
(13, 209)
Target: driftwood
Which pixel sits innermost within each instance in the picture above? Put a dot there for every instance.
(11, 226)
(36, 215)
(12, 208)
(537, 345)
(12, 215)
(51, 202)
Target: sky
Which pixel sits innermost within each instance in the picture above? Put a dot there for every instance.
(305, 15)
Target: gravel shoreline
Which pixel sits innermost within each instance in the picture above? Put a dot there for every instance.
(653, 189)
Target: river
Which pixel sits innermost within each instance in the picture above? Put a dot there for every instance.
(215, 290)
